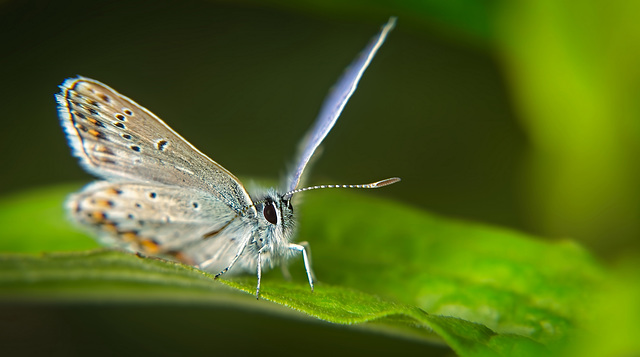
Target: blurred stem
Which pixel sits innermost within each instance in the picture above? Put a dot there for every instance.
(574, 69)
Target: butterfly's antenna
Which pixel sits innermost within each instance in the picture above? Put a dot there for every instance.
(377, 184)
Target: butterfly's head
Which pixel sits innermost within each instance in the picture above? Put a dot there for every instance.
(275, 217)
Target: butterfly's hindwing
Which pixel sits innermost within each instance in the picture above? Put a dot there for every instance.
(189, 225)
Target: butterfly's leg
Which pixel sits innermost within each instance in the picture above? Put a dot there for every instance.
(307, 262)
(235, 259)
(307, 249)
(208, 262)
(259, 272)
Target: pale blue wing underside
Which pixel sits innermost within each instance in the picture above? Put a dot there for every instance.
(335, 102)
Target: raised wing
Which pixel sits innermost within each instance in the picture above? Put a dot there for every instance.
(117, 139)
(335, 102)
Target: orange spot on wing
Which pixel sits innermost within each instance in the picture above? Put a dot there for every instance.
(113, 191)
(104, 149)
(95, 133)
(104, 203)
(181, 257)
(98, 217)
(104, 97)
(129, 237)
(110, 227)
(149, 246)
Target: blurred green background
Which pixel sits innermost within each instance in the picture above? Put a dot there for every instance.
(517, 113)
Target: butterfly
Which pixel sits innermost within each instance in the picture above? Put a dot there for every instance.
(160, 196)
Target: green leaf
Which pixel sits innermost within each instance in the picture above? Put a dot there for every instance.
(483, 290)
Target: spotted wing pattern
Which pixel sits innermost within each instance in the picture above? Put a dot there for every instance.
(161, 220)
(117, 139)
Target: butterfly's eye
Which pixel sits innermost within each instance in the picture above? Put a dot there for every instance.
(269, 213)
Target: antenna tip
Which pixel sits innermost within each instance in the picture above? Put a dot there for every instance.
(385, 182)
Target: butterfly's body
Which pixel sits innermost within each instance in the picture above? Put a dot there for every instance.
(162, 197)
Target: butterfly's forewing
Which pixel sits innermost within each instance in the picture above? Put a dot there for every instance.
(335, 102)
(164, 220)
(117, 139)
